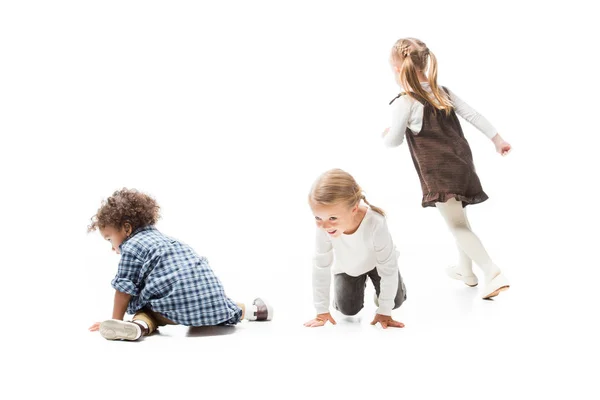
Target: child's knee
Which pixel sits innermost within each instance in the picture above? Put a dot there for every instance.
(399, 301)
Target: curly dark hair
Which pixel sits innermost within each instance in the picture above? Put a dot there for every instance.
(126, 206)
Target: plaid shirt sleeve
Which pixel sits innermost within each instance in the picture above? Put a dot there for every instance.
(128, 274)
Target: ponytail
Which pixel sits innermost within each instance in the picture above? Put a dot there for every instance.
(413, 55)
(372, 207)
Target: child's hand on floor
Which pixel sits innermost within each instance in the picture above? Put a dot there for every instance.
(385, 321)
(95, 327)
(320, 320)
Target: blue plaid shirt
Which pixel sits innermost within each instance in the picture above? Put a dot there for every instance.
(170, 278)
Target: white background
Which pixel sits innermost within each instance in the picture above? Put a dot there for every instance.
(226, 114)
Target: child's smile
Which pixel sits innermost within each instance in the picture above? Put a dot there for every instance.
(337, 219)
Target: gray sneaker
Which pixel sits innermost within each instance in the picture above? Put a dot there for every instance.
(114, 329)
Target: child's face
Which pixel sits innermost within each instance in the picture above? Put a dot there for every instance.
(115, 236)
(335, 219)
(395, 66)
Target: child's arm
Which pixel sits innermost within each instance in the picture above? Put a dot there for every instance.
(119, 309)
(321, 278)
(387, 268)
(479, 122)
(124, 284)
(120, 305)
(126, 281)
(401, 110)
(321, 275)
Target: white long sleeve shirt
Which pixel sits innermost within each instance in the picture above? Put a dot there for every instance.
(371, 246)
(408, 113)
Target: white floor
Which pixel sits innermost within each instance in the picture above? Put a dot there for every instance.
(454, 346)
(539, 339)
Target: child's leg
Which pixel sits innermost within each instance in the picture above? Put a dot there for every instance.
(349, 293)
(150, 320)
(465, 264)
(144, 322)
(463, 270)
(400, 293)
(468, 242)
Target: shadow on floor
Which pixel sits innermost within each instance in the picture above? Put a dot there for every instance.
(202, 331)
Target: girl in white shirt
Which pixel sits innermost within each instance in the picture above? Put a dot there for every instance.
(356, 235)
(426, 115)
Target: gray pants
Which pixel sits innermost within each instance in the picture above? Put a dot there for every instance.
(349, 297)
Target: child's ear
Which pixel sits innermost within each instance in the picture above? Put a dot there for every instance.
(127, 227)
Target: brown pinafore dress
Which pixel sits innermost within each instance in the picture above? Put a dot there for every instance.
(443, 158)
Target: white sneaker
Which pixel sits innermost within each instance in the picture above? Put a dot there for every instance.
(454, 273)
(114, 329)
(495, 286)
(264, 310)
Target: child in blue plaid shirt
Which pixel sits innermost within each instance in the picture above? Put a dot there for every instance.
(160, 280)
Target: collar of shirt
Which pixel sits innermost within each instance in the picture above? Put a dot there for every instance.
(138, 230)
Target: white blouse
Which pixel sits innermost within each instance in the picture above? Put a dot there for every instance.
(408, 113)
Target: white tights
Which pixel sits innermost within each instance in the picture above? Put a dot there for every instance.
(469, 246)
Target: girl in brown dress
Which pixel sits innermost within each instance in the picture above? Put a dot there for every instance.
(426, 115)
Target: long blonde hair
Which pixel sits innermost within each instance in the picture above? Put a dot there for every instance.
(337, 186)
(413, 55)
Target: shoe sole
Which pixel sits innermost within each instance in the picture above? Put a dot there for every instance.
(496, 292)
(115, 330)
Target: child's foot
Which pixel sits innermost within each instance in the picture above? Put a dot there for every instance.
(113, 329)
(468, 279)
(264, 311)
(493, 288)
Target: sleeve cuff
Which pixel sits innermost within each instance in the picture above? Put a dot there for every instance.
(384, 310)
(125, 286)
(321, 309)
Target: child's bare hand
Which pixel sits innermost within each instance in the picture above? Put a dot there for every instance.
(502, 146)
(95, 327)
(320, 320)
(385, 321)
(385, 132)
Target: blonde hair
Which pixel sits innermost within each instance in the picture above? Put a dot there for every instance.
(337, 186)
(413, 55)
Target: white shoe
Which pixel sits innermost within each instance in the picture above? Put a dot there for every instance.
(495, 286)
(264, 310)
(454, 273)
(114, 329)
